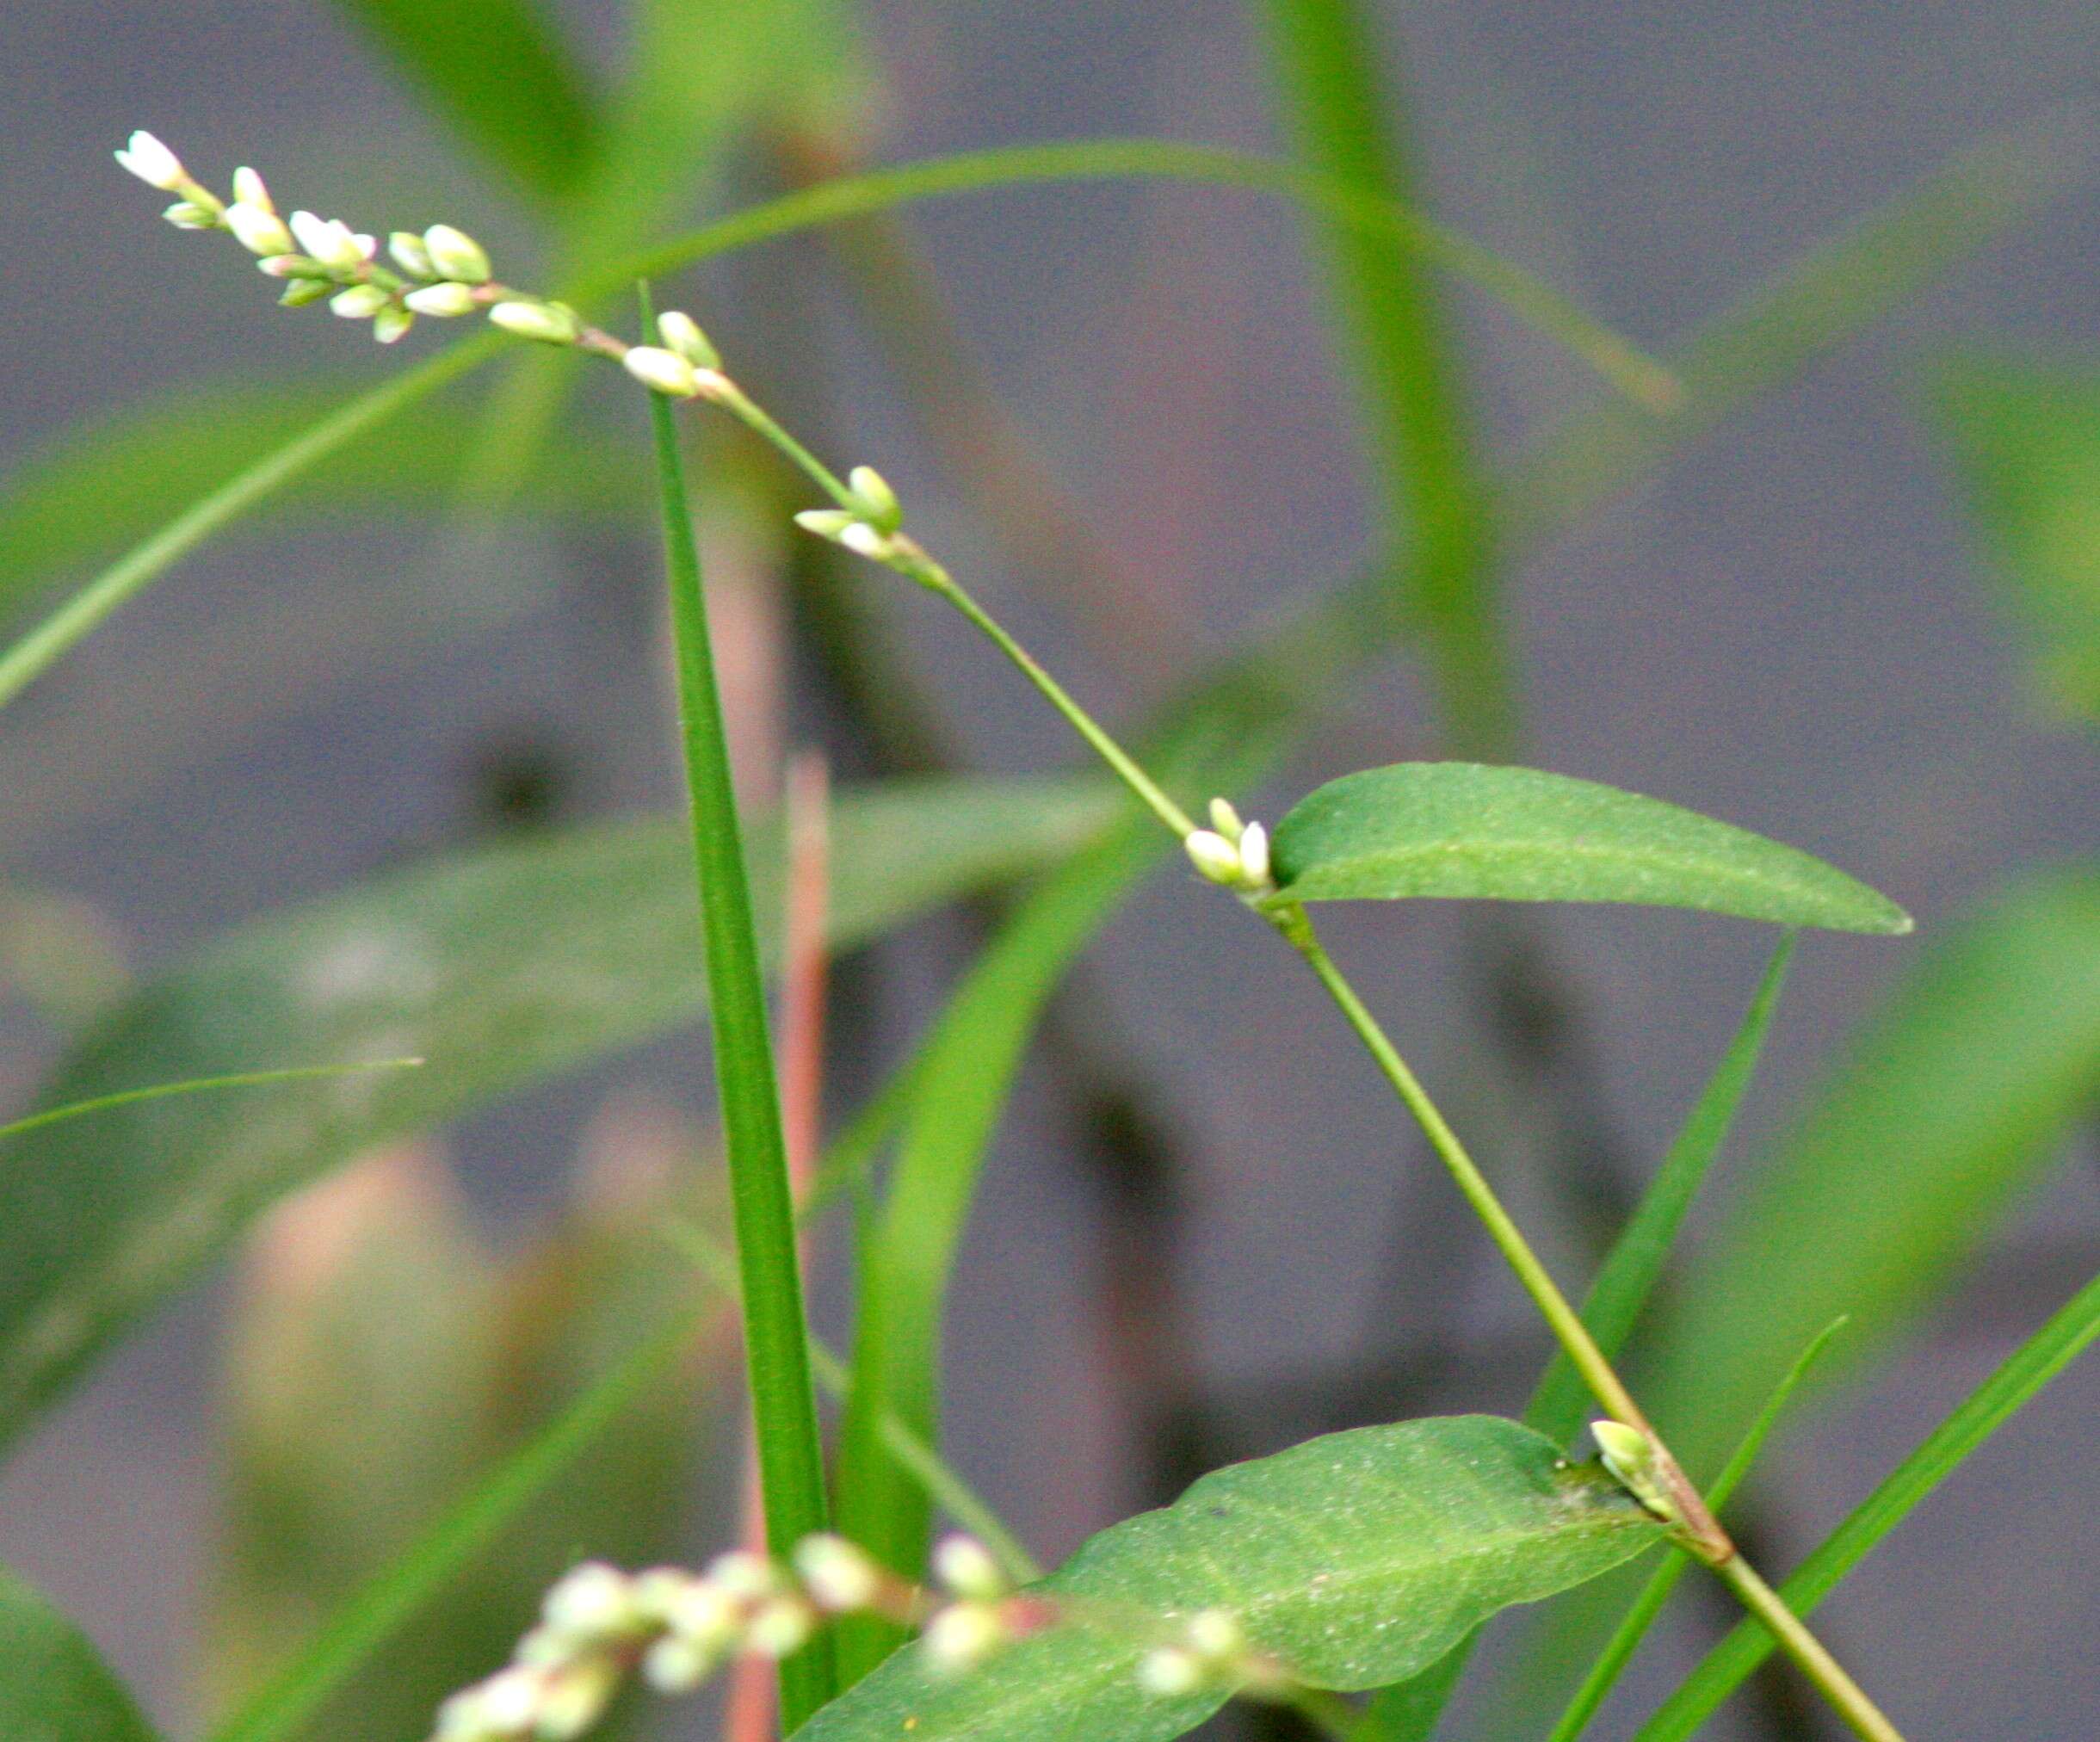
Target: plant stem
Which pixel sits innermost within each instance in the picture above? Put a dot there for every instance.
(1846, 1696)
(783, 1404)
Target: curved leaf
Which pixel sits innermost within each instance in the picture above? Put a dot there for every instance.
(54, 1686)
(1465, 830)
(498, 967)
(1354, 1560)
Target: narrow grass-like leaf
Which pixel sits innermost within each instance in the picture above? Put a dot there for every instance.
(1635, 1263)
(1954, 1095)
(1611, 1663)
(198, 1086)
(54, 1686)
(2032, 1366)
(499, 71)
(1350, 127)
(790, 1448)
(1353, 1560)
(500, 967)
(2026, 444)
(387, 1603)
(110, 482)
(960, 1082)
(1463, 829)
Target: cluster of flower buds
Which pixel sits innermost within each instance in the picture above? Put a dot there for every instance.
(870, 526)
(1631, 1456)
(599, 1624)
(686, 366)
(1211, 1653)
(1231, 852)
(443, 271)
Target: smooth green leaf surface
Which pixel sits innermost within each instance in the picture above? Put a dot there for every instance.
(2031, 1366)
(54, 1686)
(498, 968)
(1464, 829)
(1355, 1558)
(2026, 445)
(499, 71)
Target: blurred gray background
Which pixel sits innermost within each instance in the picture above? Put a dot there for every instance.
(1788, 630)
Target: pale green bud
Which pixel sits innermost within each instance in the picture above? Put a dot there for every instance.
(682, 334)
(258, 230)
(1216, 1633)
(250, 190)
(442, 300)
(706, 1615)
(592, 1602)
(1171, 1672)
(782, 1628)
(359, 302)
(879, 507)
(407, 248)
(152, 163)
(677, 1666)
(962, 1635)
(548, 322)
(455, 254)
(662, 371)
(744, 1574)
(575, 1699)
(302, 291)
(1212, 855)
(292, 266)
(1226, 821)
(1630, 1455)
(391, 322)
(825, 523)
(965, 1567)
(509, 1700)
(187, 214)
(840, 1575)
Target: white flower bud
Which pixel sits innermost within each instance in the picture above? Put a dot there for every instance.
(962, 1635)
(250, 190)
(744, 1574)
(864, 540)
(1171, 1672)
(575, 1699)
(1212, 855)
(825, 523)
(459, 1718)
(592, 1602)
(391, 322)
(780, 1627)
(682, 334)
(840, 1575)
(879, 505)
(152, 163)
(677, 1665)
(332, 242)
(410, 254)
(1254, 856)
(455, 254)
(548, 322)
(257, 230)
(187, 214)
(659, 370)
(359, 302)
(965, 1566)
(658, 1590)
(1226, 821)
(442, 300)
(509, 1700)
(545, 1648)
(706, 1615)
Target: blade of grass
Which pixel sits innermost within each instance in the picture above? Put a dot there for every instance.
(2031, 1366)
(1410, 1712)
(1604, 1673)
(783, 1406)
(962, 1081)
(500, 74)
(1350, 126)
(1635, 1263)
(196, 1085)
(388, 1602)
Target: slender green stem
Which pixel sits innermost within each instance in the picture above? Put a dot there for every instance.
(784, 1406)
(1845, 1696)
(198, 1086)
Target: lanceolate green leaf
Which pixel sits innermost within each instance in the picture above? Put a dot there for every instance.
(54, 1686)
(960, 1082)
(2038, 1361)
(1355, 1558)
(1953, 1099)
(498, 967)
(1460, 829)
(499, 71)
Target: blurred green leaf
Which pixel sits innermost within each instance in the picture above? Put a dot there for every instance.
(961, 1079)
(2032, 1366)
(107, 483)
(1352, 1559)
(54, 1686)
(1462, 830)
(1955, 1096)
(500, 74)
(2027, 446)
(498, 967)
